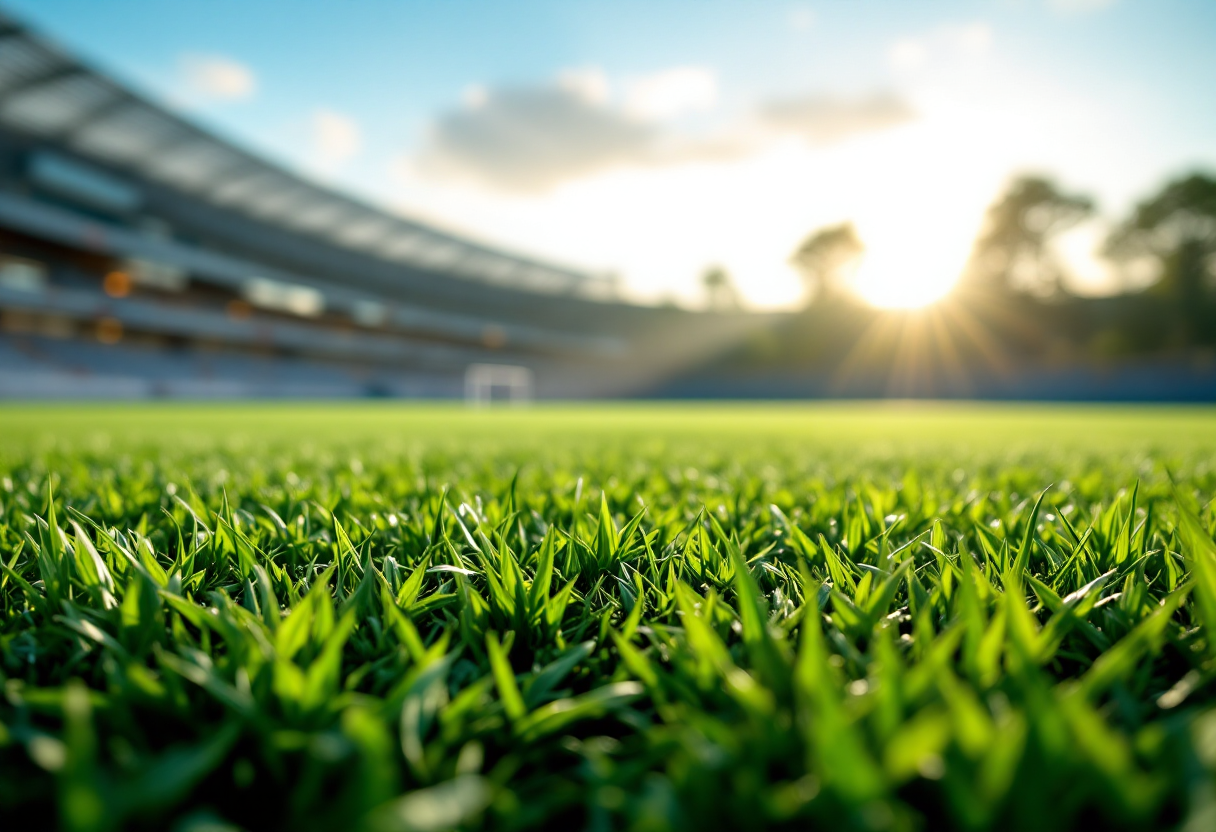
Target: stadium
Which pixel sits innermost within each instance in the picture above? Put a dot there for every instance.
(144, 257)
(904, 521)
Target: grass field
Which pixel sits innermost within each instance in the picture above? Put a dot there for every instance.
(644, 617)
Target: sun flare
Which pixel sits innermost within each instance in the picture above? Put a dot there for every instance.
(903, 285)
(915, 253)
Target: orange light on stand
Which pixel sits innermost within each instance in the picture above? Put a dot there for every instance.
(493, 337)
(117, 284)
(109, 331)
(238, 309)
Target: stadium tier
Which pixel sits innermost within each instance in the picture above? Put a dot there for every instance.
(141, 255)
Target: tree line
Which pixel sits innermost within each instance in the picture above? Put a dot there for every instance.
(1015, 291)
(1172, 233)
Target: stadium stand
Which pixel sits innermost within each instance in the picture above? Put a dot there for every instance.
(140, 256)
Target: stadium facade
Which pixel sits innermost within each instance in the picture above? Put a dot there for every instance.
(141, 255)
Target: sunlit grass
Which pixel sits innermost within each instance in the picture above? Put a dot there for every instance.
(632, 616)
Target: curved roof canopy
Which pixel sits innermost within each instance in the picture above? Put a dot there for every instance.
(50, 95)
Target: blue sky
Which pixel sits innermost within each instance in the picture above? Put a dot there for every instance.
(656, 138)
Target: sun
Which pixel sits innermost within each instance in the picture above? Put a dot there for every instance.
(904, 285)
(912, 260)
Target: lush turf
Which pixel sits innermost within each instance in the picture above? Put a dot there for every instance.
(633, 617)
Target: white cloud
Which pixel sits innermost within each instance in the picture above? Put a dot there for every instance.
(945, 43)
(825, 119)
(1079, 6)
(217, 77)
(335, 138)
(672, 92)
(532, 138)
(801, 18)
(971, 38)
(908, 53)
(588, 83)
(474, 96)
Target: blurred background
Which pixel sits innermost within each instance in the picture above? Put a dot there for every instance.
(1000, 199)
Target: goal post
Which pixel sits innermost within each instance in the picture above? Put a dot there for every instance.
(485, 384)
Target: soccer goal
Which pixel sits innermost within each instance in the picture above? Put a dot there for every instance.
(486, 384)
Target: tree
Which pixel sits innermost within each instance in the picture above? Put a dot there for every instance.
(1177, 228)
(1013, 253)
(827, 259)
(1176, 231)
(719, 288)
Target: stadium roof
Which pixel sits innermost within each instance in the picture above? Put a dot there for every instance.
(51, 95)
